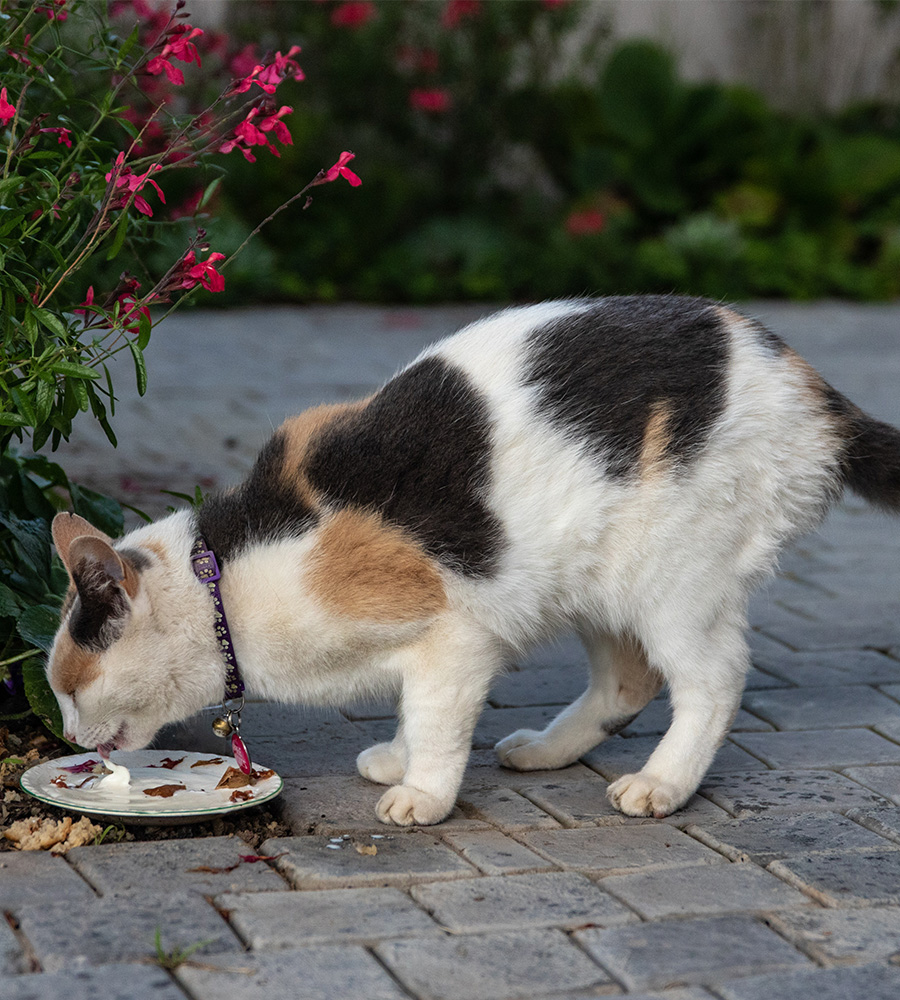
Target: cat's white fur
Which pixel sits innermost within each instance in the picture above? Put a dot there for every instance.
(666, 561)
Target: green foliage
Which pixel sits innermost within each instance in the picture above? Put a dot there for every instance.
(33, 581)
(539, 172)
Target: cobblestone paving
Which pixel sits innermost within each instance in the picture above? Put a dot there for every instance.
(780, 879)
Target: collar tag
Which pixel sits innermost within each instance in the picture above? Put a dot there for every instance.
(205, 566)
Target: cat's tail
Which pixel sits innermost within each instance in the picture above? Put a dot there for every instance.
(870, 461)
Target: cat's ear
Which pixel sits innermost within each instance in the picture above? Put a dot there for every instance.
(66, 528)
(97, 569)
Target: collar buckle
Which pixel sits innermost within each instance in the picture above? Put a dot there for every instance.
(205, 566)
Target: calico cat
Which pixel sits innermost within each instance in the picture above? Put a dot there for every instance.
(625, 467)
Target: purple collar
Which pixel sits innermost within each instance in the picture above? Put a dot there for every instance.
(206, 569)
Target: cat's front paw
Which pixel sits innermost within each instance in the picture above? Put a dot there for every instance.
(382, 764)
(529, 750)
(404, 805)
(645, 795)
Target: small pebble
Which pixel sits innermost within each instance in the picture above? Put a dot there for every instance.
(333, 847)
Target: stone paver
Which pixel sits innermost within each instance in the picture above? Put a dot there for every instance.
(836, 937)
(554, 899)
(854, 878)
(715, 889)
(345, 803)
(767, 838)
(399, 859)
(840, 667)
(121, 929)
(648, 956)
(788, 791)
(869, 982)
(31, 876)
(267, 921)
(837, 705)
(505, 808)
(12, 958)
(495, 853)
(820, 748)
(620, 755)
(515, 964)
(528, 861)
(882, 779)
(611, 850)
(315, 973)
(161, 867)
(111, 982)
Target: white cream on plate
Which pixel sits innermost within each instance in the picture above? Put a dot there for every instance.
(119, 779)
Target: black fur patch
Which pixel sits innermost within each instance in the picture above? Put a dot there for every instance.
(418, 455)
(600, 372)
(870, 463)
(99, 610)
(263, 508)
(139, 560)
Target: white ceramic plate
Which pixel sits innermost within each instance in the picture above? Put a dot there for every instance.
(199, 799)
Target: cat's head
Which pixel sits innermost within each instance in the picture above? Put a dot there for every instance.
(116, 665)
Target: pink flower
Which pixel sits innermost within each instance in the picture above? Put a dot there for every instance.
(353, 14)
(202, 273)
(124, 178)
(283, 67)
(585, 222)
(340, 169)
(274, 123)
(459, 10)
(63, 134)
(179, 47)
(7, 110)
(434, 101)
(53, 15)
(250, 133)
(88, 303)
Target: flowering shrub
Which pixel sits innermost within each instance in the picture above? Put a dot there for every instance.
(517, 154)
(97, 124)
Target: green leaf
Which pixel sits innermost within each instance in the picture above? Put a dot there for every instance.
(128, 45)
(79, 391)
(102, 511)
(38, 625)
(144, 327)
(12, 420)
(140, 367)
(40, 696)
(44, 394)
(10, 223)
(209, 192)
(119, 240)
(32, 538)
(52, 322)
(9, 603)
(23, 403)
(72, 370)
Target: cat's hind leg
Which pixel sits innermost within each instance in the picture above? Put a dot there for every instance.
(621, 683)
(706, 679)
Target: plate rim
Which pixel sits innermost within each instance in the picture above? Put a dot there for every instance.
(143, 814)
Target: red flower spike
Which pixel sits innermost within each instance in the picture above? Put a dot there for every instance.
(459, 10)
(63, 135)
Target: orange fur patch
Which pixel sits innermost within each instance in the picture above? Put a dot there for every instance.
(365, 569)
(300, 431)
(72, 667)
(656, 439)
